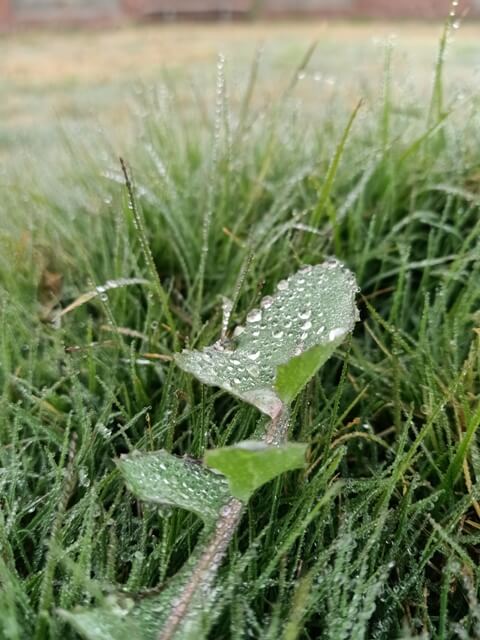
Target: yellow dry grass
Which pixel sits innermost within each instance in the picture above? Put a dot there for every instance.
(87, 77)
(39, 59)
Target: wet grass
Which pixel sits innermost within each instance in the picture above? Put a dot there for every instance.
(238, 186)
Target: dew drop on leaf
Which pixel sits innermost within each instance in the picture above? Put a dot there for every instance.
(255, 315)
(336, 333)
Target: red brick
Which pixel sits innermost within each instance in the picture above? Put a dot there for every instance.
(5, 12)
(98, 11)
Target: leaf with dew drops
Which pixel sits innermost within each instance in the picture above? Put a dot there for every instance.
(166, 479)
(250, 464)
(103, 623)
(121, 618)
(285, 341)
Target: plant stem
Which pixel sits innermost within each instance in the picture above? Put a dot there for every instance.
(277, 430)
(215, 549)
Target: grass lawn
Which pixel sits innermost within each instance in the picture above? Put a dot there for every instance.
(242, 174)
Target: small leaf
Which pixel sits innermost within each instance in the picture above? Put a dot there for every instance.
(263, 364)
(166, 479)
(103, 623)
(121, 618)
(250, 464)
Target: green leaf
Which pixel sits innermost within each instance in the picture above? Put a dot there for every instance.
(294, 375)
(314, 307)
(120, 618)
(166, 479)
(104, 623)
(250, 464)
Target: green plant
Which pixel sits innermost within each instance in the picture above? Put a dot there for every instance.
(377, 538)
(267, 362)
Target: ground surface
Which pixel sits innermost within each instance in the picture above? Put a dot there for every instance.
(243, 173)
(87, 79)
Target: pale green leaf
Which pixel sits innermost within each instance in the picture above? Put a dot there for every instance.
(105, 623)
(294, 375)
(122, 618)
(250, 464)
(142, 622)
(314, 307)
(166, 479)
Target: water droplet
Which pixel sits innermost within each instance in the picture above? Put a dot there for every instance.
(321, 330)
(226, 510)
(304, 315)
(253, 370)
(103, 430)
(238, 331)
(336, 333)
(282, 285)
(83, 478)
(332, 263)
(267, 302)
(277, 334)
(307, 325)
(255, 315)
(253, 356)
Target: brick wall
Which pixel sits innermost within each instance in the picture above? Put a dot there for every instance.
(407, 8)
(53, 10)
(272, 7)
(420, 9)
(190, 7)
(4, 11)
(14, 12)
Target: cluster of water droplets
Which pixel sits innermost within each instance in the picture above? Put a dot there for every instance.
(166, 479)
(314, 306)
(455, 22)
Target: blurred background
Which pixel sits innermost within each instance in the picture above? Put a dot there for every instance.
(21, 11)
(75, 73)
